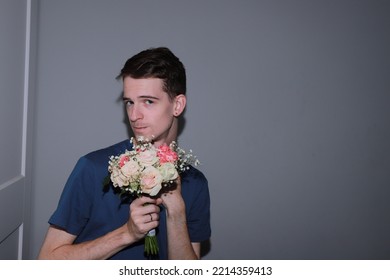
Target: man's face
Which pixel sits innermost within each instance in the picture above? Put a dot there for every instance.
(150, 111)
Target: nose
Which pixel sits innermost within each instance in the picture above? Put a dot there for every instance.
(134, 113)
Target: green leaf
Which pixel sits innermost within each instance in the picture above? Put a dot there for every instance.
(106, 183)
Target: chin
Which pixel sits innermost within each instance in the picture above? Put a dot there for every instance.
(144, 135)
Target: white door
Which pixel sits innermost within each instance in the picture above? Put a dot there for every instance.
(14, 57)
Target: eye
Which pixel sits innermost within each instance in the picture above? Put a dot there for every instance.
(149, 101)
(128, 103)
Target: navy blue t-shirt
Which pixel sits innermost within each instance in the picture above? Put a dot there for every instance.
(89, 210)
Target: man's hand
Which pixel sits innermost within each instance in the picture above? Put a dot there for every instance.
(144, 216)
(173, 200)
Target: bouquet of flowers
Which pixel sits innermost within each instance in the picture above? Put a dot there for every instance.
(146, 170)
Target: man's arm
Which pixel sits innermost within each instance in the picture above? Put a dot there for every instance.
(58, 243)
(179, 243)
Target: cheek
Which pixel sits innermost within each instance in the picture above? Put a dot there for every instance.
(163, 123)
(165, 116)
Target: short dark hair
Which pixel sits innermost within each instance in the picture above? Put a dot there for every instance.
(157, 63)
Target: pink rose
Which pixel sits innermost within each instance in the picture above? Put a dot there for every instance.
(123, 159)
(151, 180)
(166, 154)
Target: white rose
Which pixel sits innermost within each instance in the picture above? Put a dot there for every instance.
(168, 172)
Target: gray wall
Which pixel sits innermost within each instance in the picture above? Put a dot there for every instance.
(288, 110)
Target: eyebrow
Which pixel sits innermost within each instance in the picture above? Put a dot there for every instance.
(141, 97)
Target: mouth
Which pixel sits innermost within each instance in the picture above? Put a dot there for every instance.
(138, 128)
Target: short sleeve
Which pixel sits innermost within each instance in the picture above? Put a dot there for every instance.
(74, 207)
(198, 212)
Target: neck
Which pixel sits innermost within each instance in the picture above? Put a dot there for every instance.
(170, 136)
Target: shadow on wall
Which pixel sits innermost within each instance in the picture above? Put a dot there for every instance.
(205, 248)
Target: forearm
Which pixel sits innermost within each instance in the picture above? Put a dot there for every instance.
(98, 249)
(179, 243)
(58, 243)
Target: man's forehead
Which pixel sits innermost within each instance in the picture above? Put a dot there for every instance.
(143, 88)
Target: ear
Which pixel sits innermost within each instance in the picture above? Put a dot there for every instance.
(180, 102)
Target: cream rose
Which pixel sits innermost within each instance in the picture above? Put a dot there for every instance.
(168, 172)
(130, 168)
(151, 180)
(118, 179)
(148, 157)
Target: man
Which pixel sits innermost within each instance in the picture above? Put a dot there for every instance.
(93, 223)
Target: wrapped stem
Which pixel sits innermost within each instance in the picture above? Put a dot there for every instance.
(151, 244)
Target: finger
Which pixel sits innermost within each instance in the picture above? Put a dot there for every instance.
(178, 183)
(149, 208)
(144, 228)
(145, 200)
(143, 205)
(151, 217)
(142, 224)
(140, 213)
(159, 201)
